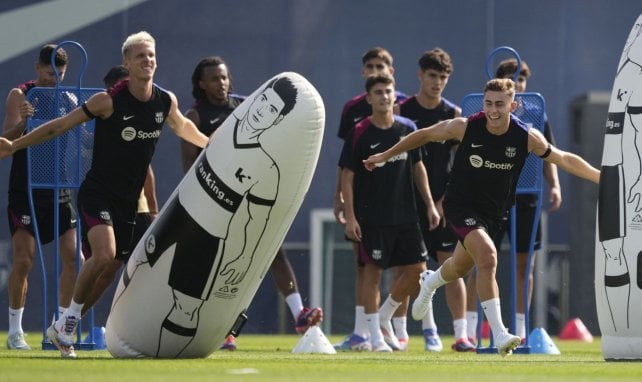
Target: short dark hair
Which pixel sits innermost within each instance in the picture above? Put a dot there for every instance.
(436, 59)
(197, 75)
(377, 52)
(508, 67)
(45, 55)
(114, 75)
(374, 79)
(286, 90)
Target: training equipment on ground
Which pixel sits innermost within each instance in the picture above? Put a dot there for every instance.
(58, 164)
(541, 343)
(575, 330)
(618, 243)
(192, 276)
(314, 341)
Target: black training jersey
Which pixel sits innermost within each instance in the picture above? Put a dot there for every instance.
(18, 176)
(436, 155)
(124, 143)
(487, 167)
(212, 116)
(383, 196)
(356, 110)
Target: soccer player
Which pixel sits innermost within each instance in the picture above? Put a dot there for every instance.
(426, 108)
(17, 110)
(380, 210)
(376, 60)
(494, 146)
(129, 120)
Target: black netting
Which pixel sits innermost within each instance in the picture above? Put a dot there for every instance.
(530, 109)
(60, 162)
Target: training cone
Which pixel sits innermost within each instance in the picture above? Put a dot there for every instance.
(540, 343)
(575, 330)
(314, 341)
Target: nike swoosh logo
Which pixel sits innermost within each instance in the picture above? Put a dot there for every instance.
(375, 145)
(357, 119)
(446, 244)
(475, 146)
(213, 121)
(127, 117)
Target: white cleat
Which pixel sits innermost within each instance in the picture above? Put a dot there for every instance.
(389, 335)
(17, 342)
(66, 351)
(381, 347)
(506, 343)
(423, 302)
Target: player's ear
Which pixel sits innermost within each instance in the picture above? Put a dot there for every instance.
(513, 105)
(278, 119)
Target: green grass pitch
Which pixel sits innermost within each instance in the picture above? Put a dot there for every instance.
(270, 358)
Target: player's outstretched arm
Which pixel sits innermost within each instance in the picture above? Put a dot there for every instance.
(441, 131)
(569, 162)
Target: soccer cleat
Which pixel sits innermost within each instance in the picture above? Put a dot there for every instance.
(66, 335)
(381, 347)
(506, 343)
(308, 317)
(433, 342)
(403, 344)
(462, 345)
(472, 341)
(229, 344)
(353, 342)
(17, 342)
(66, 351)
(389, 335)
(423, 302)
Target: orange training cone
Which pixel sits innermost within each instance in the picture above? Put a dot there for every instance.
(575, 330)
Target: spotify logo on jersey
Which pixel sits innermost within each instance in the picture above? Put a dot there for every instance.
(476, 161)
(128, 134)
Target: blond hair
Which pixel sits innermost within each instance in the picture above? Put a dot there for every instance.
(137, 38)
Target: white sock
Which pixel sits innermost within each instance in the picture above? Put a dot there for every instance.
(460, 328)
(401, 327)
(74, 310)
(471, 324)
(372, 320)
(61, 310)
(15, 320)
(388, 308)
(294, 303)
(360, 325)
(493, 313)
(428, 322)
(520, 325)
(436, 280)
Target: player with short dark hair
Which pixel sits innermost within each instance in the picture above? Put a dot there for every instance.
(17, 110)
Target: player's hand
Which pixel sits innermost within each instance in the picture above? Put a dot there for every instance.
(353, 230)
(373, 161)
(26, 110)
(6, 147)
(433, 217)
(555, 199)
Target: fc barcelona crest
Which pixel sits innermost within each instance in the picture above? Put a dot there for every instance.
(159, 117)
(510, 152)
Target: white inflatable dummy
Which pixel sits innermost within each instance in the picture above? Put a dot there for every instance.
(195, 271)
(618, 249)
